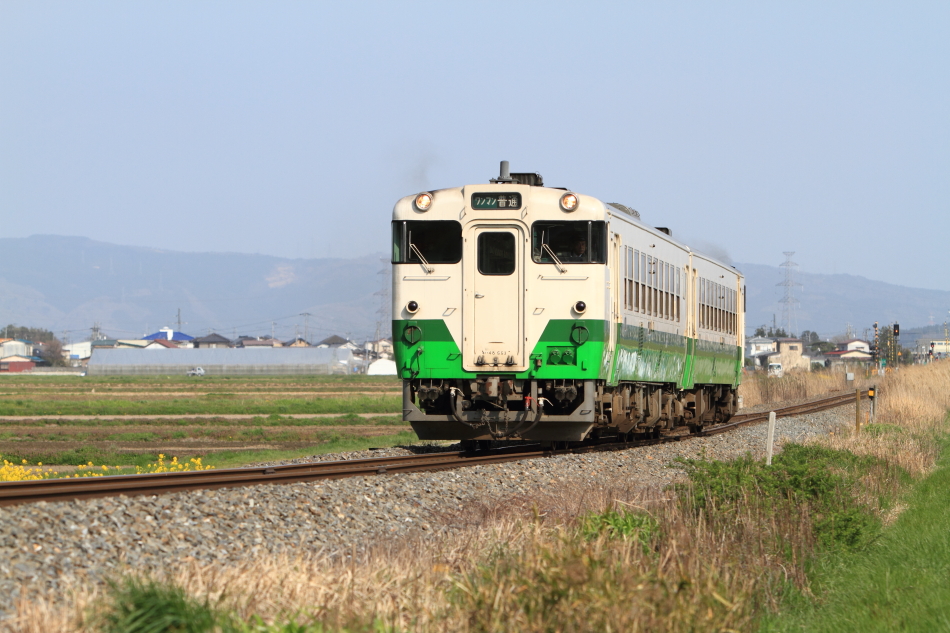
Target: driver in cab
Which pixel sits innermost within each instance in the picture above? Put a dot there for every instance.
(578, 250)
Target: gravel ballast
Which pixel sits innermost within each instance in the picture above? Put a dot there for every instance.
(43, 545)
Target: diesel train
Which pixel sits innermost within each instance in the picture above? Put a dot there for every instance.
(525, 312)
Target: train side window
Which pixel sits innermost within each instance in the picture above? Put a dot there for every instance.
(666, 290)
(699, 299)
(496, 253)
(439, 241)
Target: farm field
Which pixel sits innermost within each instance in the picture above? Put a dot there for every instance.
(226, 421)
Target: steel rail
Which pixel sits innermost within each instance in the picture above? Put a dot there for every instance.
(68, 489)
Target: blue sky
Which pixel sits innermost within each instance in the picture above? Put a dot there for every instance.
(291, 128)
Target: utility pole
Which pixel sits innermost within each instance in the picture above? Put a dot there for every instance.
(306, 328)
(877, 350)
(179, 319)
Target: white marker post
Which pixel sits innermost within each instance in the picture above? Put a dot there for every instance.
(771, 438)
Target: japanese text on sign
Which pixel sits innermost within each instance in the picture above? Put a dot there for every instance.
(496, 201)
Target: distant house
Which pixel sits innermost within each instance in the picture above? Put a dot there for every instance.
(16, 363)
(78, 351)
(337, 341)
(169, 334)
(161, 344)
(212, 341)
(851, 353)
(789, 353)
(135, 343)
(855, 344)
(297, 342)
(14, 347)
(332, 341)
(264, 342)
(383, 348)
(757, 344)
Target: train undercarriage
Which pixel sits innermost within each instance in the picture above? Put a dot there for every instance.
(498, 408)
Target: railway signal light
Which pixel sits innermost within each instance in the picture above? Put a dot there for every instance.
(871, 393)
(897, 330)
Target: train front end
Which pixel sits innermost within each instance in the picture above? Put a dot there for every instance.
(499, 310)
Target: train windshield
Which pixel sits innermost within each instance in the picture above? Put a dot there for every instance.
(437, 241)
(570, 242)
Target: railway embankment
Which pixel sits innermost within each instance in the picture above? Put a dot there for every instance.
(576, 542)
(51, 546)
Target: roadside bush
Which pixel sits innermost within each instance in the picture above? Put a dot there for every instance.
(137, 605)
(813, 480)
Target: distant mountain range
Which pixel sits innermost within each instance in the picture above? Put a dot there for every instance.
(827, 304)
(71, 283)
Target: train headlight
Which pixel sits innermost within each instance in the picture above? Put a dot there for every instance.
(580, 307)
(569, 202)
(423, 201)
(412, 307)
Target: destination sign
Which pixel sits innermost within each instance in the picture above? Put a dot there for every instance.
(496, 200)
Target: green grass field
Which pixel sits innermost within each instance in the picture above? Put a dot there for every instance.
(900, 583)
(53, 431)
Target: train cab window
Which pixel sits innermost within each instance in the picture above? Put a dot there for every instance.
(570, 242)
(438, 241)
(496, 253)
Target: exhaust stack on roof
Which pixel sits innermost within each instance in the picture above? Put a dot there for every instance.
(522, 178)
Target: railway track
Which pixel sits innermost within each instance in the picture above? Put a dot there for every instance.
(19, 492)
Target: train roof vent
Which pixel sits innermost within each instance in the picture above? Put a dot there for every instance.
(520, 178)
(663, 229)
(625, 209)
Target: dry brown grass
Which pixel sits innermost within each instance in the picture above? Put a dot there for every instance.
(759, 389)
(910, 415)
(516, 566)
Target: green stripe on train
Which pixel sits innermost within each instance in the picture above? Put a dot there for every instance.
(575, 349)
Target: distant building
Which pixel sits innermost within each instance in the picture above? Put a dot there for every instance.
(221, 362)
(940, 348)
(337, 341)
(382, 367)
(78, 351)
(332, 341)
(789, 353)
(297, 342)
(15, 347)
(855, 344)
(850, 353)
(160, 343)
(383, 348)
(758, 344)
(169, 335)
(212, 341)
(264, 342)
(16, 363)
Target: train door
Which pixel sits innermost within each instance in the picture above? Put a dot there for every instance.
(494, 299)
(613, 305)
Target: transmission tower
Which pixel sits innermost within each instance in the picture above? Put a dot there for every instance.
(383, 314)
(789, 302)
